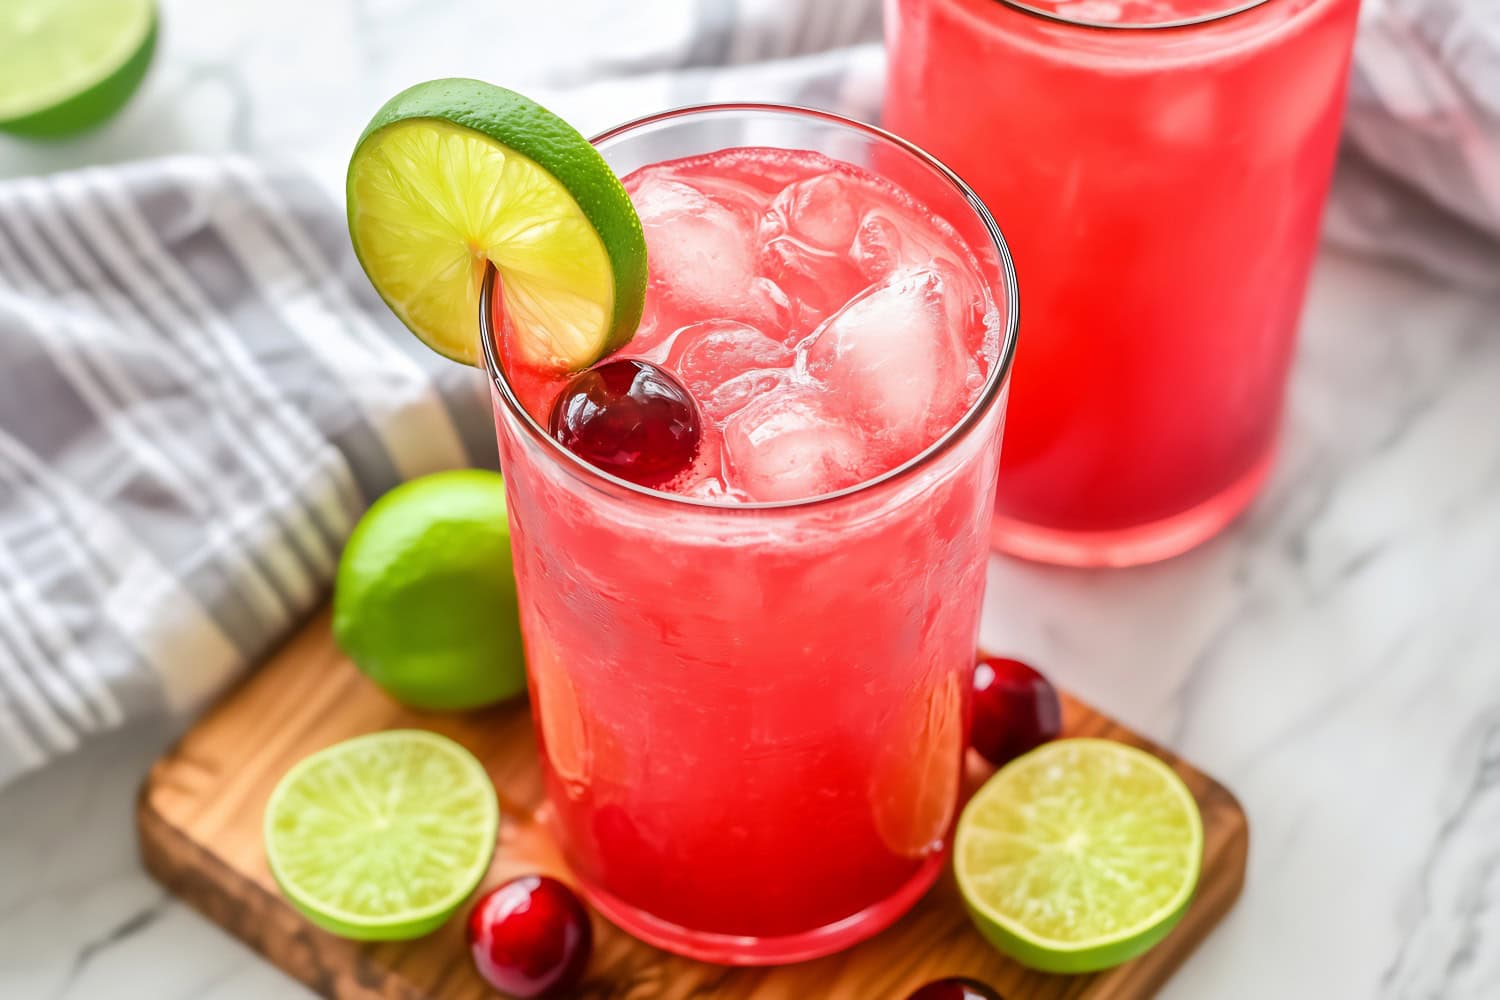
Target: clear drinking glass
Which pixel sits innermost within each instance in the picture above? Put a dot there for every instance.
(1161, 167)
(753, 718)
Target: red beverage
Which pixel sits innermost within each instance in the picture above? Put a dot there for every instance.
(751, 683)
(1161, 187)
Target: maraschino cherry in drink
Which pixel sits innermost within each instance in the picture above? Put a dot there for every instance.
(1160, 167)
(750, 546)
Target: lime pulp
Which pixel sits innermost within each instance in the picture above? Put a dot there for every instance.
(1079, 855)
(382, 837)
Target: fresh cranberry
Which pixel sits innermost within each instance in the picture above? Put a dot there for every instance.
(955, 988)
(629, 418)
(530, 937)
(1015, 710)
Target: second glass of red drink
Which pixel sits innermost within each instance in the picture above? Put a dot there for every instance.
(1161, 167)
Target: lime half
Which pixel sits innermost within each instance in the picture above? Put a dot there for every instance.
(382, 837)
(67, 65)
(1079, 855)
(451, 173)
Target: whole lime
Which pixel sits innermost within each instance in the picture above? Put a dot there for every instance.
(425, 602)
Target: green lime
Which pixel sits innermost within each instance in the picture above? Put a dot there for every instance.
(67, 65)
(382, 837)
(1079, 855)
(451, 173)
(425, 601)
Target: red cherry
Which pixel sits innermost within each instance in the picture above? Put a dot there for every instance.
(530, 937)
(955, 988)
(1015, 710)
(631, 419)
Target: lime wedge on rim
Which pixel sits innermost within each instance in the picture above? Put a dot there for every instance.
(1079, 855)
(67, 65)
(382, 837)
(451, 173)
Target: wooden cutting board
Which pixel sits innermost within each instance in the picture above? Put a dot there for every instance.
(200, 813)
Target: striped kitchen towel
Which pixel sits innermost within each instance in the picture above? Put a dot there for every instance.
(199, 394)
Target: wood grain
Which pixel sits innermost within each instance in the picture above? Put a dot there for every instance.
(200, 809)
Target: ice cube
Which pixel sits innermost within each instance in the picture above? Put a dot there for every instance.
(707, 354)
(889, 239)
(805, 240)
(701, 250)
(815, 281)
(652, 338)
(723, 401)
(789, 445)
(699, 243)
(878, 247)
(820, 211)
(742, 196)
(893, 356)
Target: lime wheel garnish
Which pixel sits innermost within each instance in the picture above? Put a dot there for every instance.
(1079, 855)
(450, 174)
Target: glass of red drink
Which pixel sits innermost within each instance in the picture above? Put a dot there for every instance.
(1161, 167)
(751, 686)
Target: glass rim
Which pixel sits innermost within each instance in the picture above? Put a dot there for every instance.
(1183, 22)
(999, 372)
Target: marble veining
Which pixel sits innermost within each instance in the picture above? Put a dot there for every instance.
(1334, 657)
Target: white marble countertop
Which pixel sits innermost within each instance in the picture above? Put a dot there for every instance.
(1334, 657)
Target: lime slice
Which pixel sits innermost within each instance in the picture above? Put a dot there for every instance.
(67, 65)
(1079, 855)
(382, 837)
(425, 603)
(451, 173)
